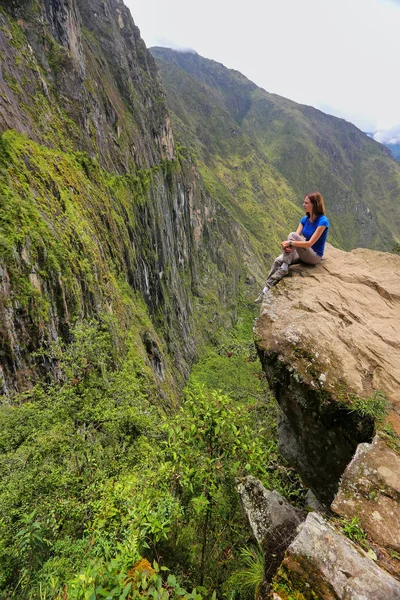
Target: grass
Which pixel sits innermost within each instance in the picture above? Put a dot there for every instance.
(374, 407)
(248, 580)
(353, 530)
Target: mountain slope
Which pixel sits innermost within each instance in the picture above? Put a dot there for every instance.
(394, 149)
(237, 173)
(222, 111)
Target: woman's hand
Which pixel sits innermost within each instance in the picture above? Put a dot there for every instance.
(285, 246)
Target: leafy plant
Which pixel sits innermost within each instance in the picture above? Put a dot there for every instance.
(375, 407)
(353, 530)
(31, 547)
(115, 580)
(105, 476)
(211, 441)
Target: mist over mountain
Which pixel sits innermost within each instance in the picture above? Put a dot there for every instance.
(232, 124)
(390, 138)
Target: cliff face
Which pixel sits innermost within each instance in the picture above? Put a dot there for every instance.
(328, 341)
(79, 72)
(328, 338)
(96, 203)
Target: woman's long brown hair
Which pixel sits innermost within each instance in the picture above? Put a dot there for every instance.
(317, 201)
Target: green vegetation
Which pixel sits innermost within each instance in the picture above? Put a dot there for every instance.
(73, 236)
(248, 580)
(261, 153)
(114, 481)
(236, 173)
(353, 530)
(374, 407)
(97, 476)
(392, 438)
(97, 472)
(54, 204)
(290, 587)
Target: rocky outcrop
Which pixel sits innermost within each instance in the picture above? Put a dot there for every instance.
(328, 340)
(272, 519)
(321, 563)
(370, 489)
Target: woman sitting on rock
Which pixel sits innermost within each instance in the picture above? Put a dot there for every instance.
(306, 245)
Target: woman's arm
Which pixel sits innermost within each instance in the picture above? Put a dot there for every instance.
(285, 244)
(306, 244)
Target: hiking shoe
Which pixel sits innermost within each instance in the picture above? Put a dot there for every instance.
(259, 298)
(279, 274)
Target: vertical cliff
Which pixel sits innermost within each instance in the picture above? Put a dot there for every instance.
(97, 204)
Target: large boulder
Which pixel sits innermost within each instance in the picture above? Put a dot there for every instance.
(272, 519)
(370, 490)
(346, 311)
(328, 339)
(321, 563)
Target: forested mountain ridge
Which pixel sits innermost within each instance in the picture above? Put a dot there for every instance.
(236, 125)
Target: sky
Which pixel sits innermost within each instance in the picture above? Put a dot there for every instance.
(342, 57)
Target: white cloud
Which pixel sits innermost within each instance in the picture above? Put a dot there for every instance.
(166, 43)
(343, 54)
(390, 136)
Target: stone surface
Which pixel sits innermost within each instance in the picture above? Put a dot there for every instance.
(312, 503)
(325, 335)
(328, 338)
(321, 563)
(346, 313)
(272, 519)
(370, 490)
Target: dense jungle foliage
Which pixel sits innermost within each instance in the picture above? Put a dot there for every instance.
(102, 490)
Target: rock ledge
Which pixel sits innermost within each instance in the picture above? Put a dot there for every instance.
(328, 339)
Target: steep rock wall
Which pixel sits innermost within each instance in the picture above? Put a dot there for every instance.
(78, 72)
(96, 203)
